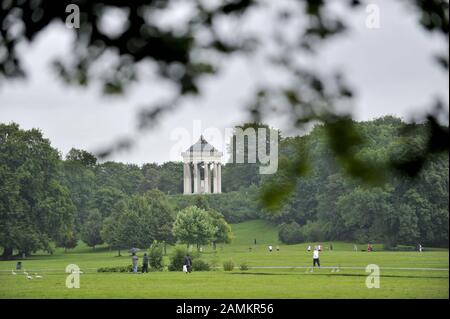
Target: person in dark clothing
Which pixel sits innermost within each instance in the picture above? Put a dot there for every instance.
(188, 263)
(316, 257)
(145, 263)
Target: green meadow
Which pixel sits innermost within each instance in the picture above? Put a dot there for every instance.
(281, 274)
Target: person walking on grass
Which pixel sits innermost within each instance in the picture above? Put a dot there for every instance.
(134, 261)
(187, 266)
(145, 263)
(316, 257)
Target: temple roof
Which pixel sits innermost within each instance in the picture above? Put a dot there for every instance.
(201, 146)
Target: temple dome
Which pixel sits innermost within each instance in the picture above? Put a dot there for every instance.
(202, 146)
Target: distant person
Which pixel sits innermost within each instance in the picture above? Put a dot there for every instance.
(187, 266)
(134, 261)
(319, 248)
(316, 257)
(355, 248)
(19, 265)
(145, 263)
(420, 248)
(278, 248)
(255, 241)
(369, 247)
(270, 248)
(331, 246)
(308, 249)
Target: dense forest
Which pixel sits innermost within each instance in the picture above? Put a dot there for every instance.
(47, 200)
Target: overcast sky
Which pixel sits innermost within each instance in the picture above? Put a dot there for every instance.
(390, 67)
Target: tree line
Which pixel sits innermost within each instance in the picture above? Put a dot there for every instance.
(393, 209)
(47, 200)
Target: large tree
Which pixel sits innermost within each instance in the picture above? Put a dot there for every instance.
(34, 207)
(223, 233)
(139, 220)
(90, 232)
(79, 177)
(194, 225)
(105, 198)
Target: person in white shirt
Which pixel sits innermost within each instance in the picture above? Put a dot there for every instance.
(309, 248)
(316, 257)
(270, 248)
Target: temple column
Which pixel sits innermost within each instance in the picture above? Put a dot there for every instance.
(196, 178)
(199, 178)
(207, 182)
(187, 178)
(214, 177)
(219, 178)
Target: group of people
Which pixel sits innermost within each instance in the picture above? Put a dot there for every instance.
(187, 264)
(318, 247)
(271, 248)
(135, 260)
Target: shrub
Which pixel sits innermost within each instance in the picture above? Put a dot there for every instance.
(290, 233)
(128, 268)
(228, 265)
(200, 265)
(243, 266)
(155, 257)
(214, 263)
(177, 258)
(314, 231)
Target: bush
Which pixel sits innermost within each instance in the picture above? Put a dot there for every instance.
(235, 206)
(290, 233)
(243, 266)
(214, 262)
(314, 231)
(128, 268)
(177, 258)
(228, 265)
(200, 265)
(155, 257)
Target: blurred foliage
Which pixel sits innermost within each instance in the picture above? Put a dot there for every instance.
(186, 51)
(328, 204)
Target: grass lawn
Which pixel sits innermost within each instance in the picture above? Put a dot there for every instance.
(426, 276)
